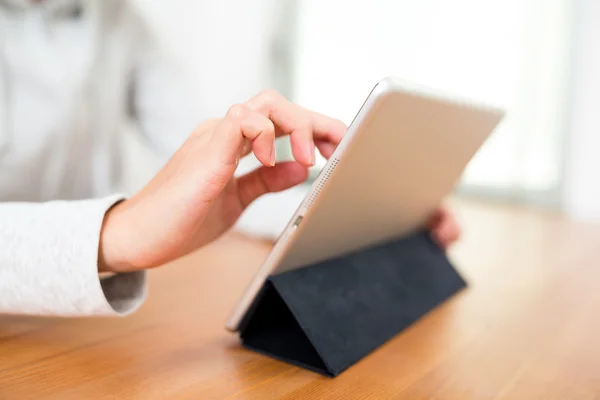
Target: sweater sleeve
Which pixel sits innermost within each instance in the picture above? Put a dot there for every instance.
(49, 261)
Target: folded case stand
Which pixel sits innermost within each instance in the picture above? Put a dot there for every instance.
(328, 316)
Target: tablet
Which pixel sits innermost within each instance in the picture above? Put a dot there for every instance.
(404, 152)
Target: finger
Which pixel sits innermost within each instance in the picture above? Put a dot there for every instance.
(451, 226)
(325, 148)
(435, 225)
(303, 146)
(304, 126)
(453, 230)
(323, 127)
(447, 229)
(326, 133)
(269, 180)
(440, 238)
(435, 218)
(289, 120)
(241, 124)
(261, 132)
(327, 129)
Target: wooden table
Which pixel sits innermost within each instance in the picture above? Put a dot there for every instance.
(527, 328)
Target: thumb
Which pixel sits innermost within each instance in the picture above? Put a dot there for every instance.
(269, 180)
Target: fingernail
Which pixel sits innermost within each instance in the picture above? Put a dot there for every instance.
(312, 153)
(272, 161)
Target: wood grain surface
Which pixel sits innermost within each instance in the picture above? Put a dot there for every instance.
(528, 327)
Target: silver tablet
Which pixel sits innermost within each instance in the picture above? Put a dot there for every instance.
(403, 153)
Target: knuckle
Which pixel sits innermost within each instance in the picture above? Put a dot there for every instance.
(305, 125)
(205, 127)
(270, 96)
(341, 123)
(246, 147)
(237, 112)
(270, 127)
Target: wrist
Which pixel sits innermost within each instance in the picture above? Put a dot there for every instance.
(113, 243)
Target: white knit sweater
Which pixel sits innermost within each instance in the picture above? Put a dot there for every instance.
(49, 258)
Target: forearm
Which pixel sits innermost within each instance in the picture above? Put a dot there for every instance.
(49, 261)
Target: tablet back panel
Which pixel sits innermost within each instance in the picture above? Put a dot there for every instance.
(403, 154)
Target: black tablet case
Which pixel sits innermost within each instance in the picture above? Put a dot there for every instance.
(328, 316)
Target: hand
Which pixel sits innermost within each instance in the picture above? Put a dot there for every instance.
(444, 227)
(195, 197)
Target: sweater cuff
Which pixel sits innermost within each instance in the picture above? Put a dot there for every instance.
(125, 292)
(122, 293)
(49, 263)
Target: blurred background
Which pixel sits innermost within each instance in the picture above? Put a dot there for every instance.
(537, 59)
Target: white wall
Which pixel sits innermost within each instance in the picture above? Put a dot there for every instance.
(511, 53)
(582, 169)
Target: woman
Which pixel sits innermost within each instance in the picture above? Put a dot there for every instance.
(71, 73)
